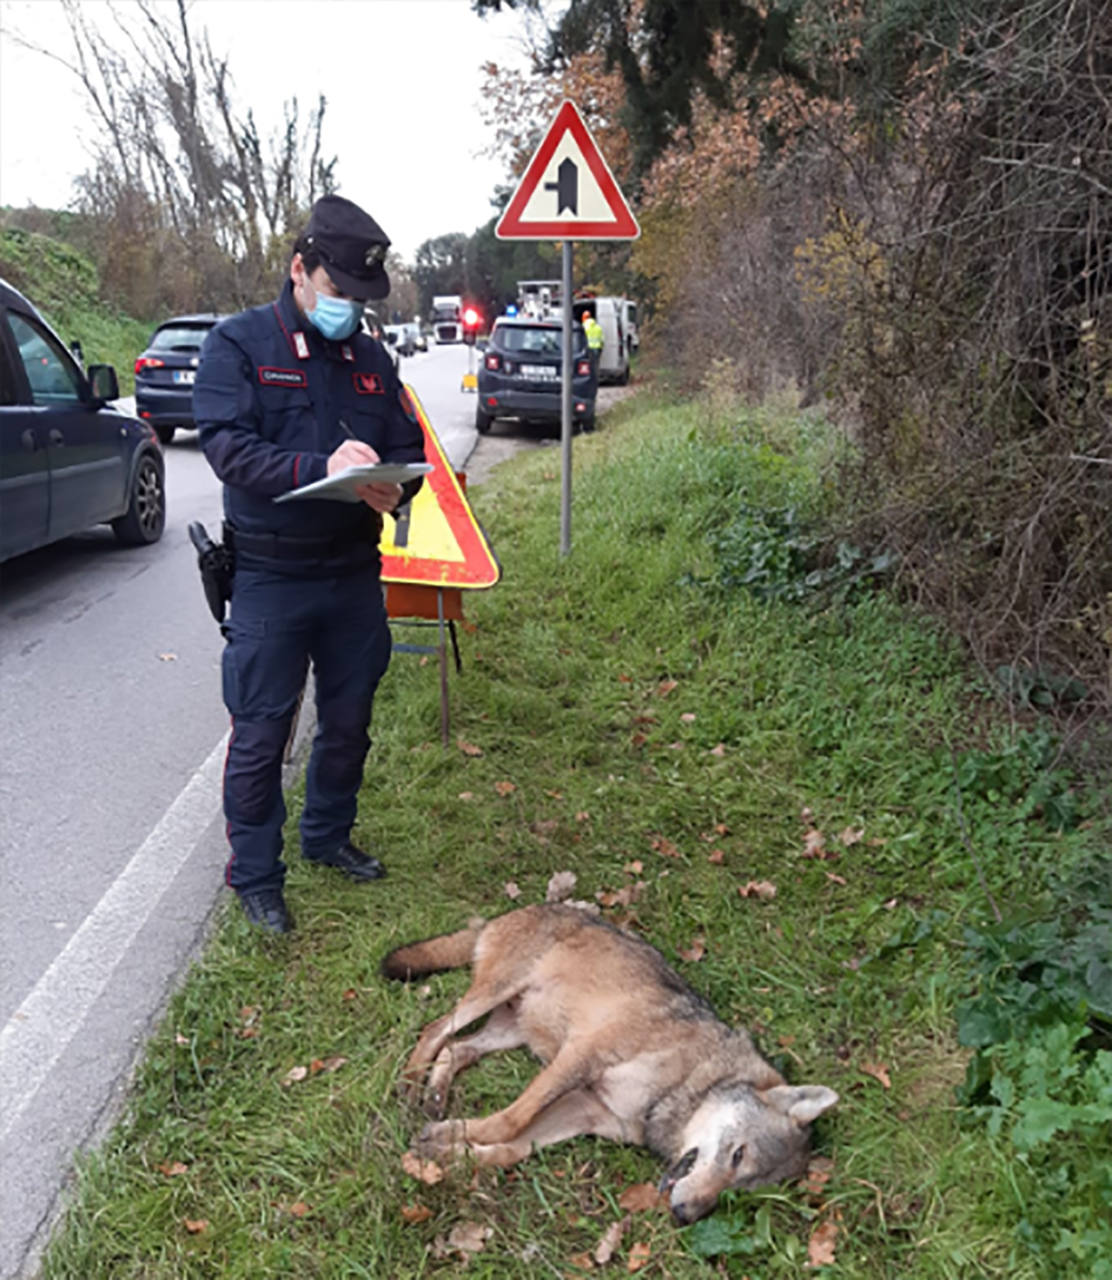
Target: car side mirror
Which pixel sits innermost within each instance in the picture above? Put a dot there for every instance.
(103, 382)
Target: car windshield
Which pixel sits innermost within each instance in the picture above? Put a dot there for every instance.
(538, 340)
(179, 337)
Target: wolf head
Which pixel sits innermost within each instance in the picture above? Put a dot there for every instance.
(742, 1137)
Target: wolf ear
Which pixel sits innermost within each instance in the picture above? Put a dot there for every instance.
(801, 1102)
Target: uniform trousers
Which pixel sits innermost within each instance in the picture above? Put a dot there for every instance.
(277, 625)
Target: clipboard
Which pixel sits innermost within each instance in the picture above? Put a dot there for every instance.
(342, 486)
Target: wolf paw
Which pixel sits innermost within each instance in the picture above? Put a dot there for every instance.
(433, 1103)
(442, 1137)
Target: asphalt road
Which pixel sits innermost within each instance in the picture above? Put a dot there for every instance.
(111, 836)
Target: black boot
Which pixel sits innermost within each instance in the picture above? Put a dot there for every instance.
(353, 862)
(267, 909)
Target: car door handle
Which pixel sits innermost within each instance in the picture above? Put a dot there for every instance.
(56, 437)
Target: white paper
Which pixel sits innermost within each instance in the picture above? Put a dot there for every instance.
(342, 486)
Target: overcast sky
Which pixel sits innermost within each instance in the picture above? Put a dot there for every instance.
(408, 150)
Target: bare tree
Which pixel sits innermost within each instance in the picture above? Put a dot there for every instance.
(186, 184)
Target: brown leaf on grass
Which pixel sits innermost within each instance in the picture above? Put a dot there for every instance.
(637, 740)
(180, 1039)
(819, 1172)
(293, 1075)
(414, 1213)
(555, 795)
(688, 717)
(696, 951)
(426, 1171)
(299, 1209)
(717, 857)
(807, 816)
(349, 994)
(583, 816)
(757, 889)
(583, 1261)
(666, 849)
(560, 886)
(675, 746)
(513, 892)
(665, 687)
(195, 1225)
(624, 678)
(467, 795)
(611, 1239)
(327, 1065)
(820, 1247)
(634, 868)
(814, 845)
(172, 1170)
(719, 750)
(878, 1071)
(644, 720)
(544, 827)
(469, 748)
(851, 835)
(505, 787)
(641, 1197)
(837, 879)
(469, 1237)
(638, 1256)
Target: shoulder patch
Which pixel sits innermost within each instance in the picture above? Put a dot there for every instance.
(271, 377)
(407, 405)
(367, 384)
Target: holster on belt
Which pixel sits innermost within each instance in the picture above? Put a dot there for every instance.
(217, 565)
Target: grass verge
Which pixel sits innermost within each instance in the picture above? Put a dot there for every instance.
(631, 703)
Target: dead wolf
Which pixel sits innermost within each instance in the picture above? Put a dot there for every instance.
(630, 1052)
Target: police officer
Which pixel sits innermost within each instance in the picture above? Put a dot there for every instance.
(287, 394)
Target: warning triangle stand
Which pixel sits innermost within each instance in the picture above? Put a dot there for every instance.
(567, 191)
(430, 556)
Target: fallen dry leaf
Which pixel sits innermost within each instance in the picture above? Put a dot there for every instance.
(293, 1075)
(665, 687)
(350, 994)
(807, 816)
(819, 1172)
(327, 1065)
(688, 717)
(426, 1171)
(180, 1039)
(469, 1237)
(583, 1261)
(624, 678)
(173, 1170)
(851, 835)
(814, 844)
(513, 892)
(414, 1213)
(555, 795)
(467, 795)
(820, 1247)
(299, 1209)
(719, 750)
(716, 856)
(560, 886)
(195, 1225)
(879, 1071)
(757, 889)
(837, 879)
(664, 847)
(696, 951)
(469, 748)
(641, 1197)
(505, 787)
(634, 868)
(582, 816)
(638, 1256)
(612, 1237)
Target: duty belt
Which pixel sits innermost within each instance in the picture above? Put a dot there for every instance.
(276, 546)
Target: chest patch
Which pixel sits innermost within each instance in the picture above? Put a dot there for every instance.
(271, 377)
(367, 384)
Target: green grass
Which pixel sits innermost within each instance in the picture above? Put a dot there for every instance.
(854, 713)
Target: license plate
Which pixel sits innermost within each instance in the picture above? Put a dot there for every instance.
(538, 371)
(184, 376)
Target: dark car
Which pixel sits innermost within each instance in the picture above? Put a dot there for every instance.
(165, 372)
(68, 460)
(520, 374)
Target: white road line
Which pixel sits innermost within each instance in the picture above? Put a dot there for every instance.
(37, 1034)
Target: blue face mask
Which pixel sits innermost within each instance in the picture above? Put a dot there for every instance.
(335, 318)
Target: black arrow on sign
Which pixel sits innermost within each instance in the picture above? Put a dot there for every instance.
(566, 186)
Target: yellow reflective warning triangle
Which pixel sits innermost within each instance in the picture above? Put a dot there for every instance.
(438, 543)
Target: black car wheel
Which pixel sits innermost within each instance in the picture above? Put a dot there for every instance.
(145, 517)
(585, 424)
(482, 422)
(165, 434)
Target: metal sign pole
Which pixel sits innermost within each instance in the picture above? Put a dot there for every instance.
(565, 411)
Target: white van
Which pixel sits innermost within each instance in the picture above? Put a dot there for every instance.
(613, 365)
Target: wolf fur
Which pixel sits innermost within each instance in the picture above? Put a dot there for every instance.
(630, 1052)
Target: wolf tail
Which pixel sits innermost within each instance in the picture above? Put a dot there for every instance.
(447, 951)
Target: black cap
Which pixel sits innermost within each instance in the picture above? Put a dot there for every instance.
(352, 247)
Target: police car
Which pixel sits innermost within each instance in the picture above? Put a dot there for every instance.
(521, 374)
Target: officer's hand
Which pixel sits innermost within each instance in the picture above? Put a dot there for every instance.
(382, 497)
(352, 453)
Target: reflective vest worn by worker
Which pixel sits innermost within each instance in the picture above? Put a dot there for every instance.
(593, 330)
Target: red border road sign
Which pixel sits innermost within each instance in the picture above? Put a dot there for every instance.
(445, 547)
(621, 225)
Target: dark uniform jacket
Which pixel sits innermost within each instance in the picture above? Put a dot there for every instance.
(269, 401)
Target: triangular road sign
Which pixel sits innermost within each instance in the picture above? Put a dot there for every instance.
(567, 191)
(439, 543)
